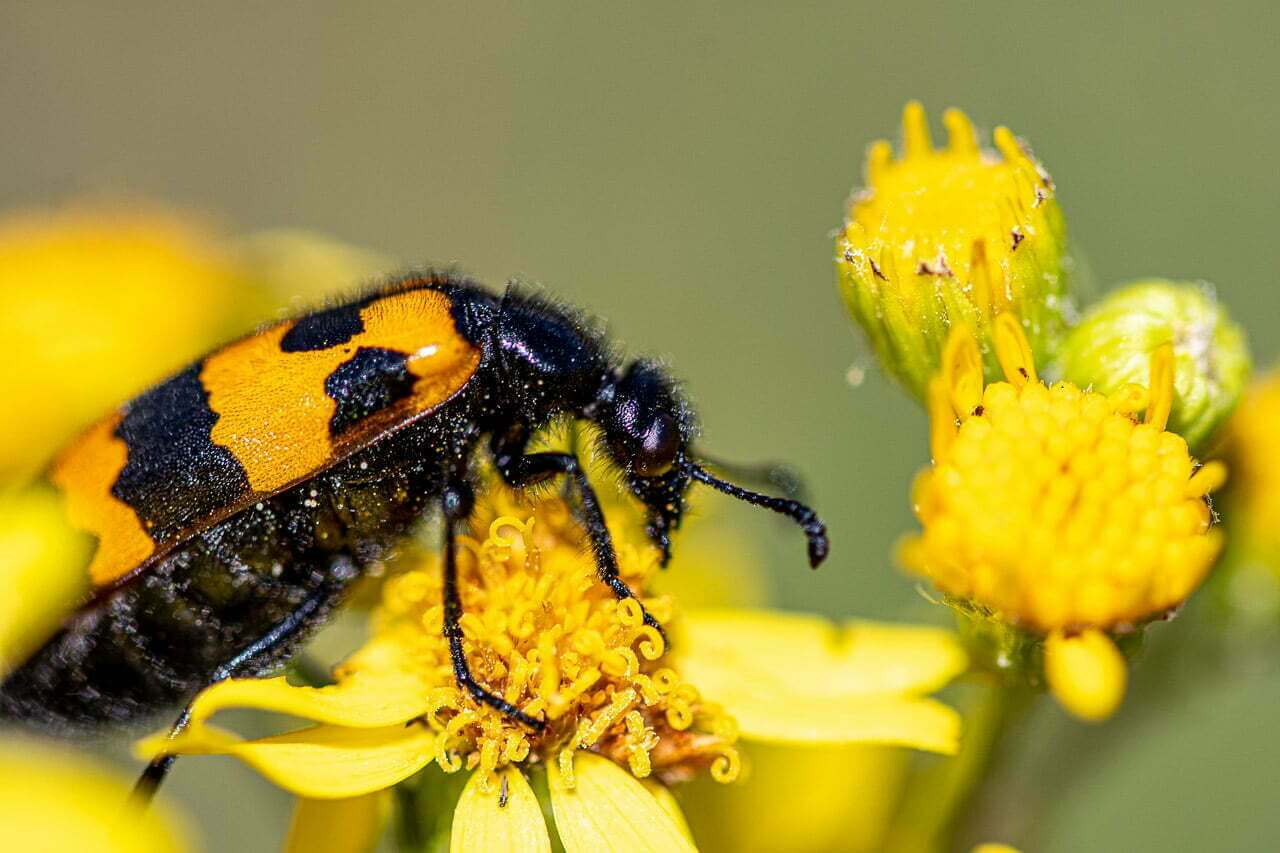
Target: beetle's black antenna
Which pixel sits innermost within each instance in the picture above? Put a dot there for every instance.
(802, 515)
(773, 475)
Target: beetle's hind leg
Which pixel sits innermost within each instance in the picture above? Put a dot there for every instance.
(283, 631)
(520, 469)
(457, 503)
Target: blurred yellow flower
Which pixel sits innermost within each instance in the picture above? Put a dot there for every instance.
(1254, 496)
(296, 269)
(624, 717)
(802, 799)
(1052, 509)
(42, 558)
(951, 236)
(100, 303)
(53, 801)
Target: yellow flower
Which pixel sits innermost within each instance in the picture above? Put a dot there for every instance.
(53, 801)
(296, 268)
(1054, 510)
(950, 236)
(624, 717)
(41, 557)
(1254, 497)
(95, 305)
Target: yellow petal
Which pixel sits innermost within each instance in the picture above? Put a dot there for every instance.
(994, 848)
(338, 826)
(667, 800)
(54, 800)
(816, 655)
(483, 822)
(607, 809)
(1086, 673)
(322, 762)
(42, 570)
(101, 301)
(799, 679)
(843, 796)
(366, 698)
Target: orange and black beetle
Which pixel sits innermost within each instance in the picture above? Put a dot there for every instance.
(234, 503)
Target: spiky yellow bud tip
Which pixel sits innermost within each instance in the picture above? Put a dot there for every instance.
(1054, 508)
(952, 234)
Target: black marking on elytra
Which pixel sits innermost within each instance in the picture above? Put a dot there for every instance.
(175, 475)
(368, 382)
(325, 329)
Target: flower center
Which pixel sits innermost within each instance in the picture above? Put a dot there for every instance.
(1053, 506)
(542, 632)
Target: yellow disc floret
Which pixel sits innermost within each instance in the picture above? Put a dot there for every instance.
(951, 235)
(1055, 508)
(543, 632)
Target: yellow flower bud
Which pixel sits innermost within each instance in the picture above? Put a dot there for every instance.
(958, 234)
(1113, 347)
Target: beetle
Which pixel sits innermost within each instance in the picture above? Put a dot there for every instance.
(234, 503)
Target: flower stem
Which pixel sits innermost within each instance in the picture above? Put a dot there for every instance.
(933, 811)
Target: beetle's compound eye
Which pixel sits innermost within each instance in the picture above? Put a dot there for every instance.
(657, 447)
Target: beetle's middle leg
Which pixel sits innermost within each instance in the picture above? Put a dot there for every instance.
(457, 502)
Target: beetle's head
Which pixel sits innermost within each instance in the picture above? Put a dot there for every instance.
(649, 429)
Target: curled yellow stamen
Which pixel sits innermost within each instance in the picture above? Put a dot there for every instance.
(727, 766)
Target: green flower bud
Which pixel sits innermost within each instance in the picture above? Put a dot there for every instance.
(952, 235)
(1112, 347)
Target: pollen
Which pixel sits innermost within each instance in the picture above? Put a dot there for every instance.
(956, 233)
(543, 632)
(1057, 508)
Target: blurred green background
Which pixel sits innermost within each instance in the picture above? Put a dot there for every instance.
(678, 168)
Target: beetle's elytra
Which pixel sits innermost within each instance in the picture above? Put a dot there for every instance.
(233, 503)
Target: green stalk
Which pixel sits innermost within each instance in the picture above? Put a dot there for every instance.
(934, 810)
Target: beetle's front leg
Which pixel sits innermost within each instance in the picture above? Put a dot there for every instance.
(519, 470)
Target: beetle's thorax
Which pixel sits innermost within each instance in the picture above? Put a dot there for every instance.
(547, 363)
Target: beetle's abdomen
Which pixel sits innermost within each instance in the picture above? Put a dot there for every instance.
(153, 642)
